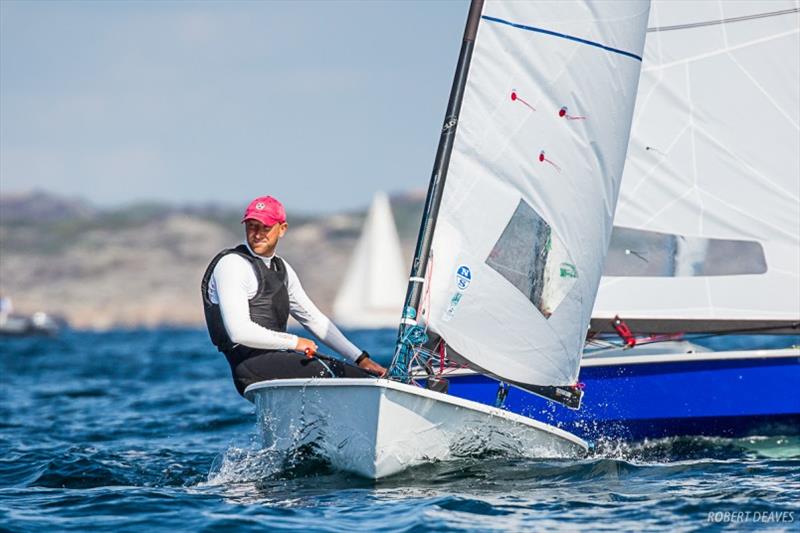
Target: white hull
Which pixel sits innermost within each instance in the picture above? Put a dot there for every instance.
(376, 428)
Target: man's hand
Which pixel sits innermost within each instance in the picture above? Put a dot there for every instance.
(306, 344)
(372, 367)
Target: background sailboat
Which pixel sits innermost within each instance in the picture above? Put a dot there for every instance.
(371, 294)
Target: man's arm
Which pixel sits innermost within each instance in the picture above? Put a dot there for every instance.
(236, 283)
(310, 317)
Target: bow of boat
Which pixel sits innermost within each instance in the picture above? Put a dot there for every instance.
(376, 427)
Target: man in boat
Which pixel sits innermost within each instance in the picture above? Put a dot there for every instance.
(249, 293)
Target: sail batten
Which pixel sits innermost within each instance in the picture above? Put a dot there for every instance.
(532, 180)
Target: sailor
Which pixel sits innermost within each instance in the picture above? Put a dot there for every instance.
(249, 293)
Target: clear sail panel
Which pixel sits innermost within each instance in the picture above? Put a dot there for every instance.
(534, 259)
(639, 253)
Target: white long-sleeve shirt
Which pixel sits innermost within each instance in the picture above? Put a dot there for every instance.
(233, 283)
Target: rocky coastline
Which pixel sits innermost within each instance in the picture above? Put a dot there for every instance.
(141, 265)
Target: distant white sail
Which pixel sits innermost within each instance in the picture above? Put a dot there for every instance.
(526, 212)
(711, 191)
(371, 295)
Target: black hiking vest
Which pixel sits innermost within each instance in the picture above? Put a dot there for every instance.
(268, 308)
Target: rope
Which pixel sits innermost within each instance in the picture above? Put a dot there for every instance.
(609, 345)
(412, 336)
(326, 367)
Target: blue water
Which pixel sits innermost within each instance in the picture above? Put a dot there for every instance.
(144, 431)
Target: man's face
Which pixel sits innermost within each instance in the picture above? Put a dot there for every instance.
(263, 239)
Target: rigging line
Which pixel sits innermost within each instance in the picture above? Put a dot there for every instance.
(723, 21)
(720, 332)
(710, 335)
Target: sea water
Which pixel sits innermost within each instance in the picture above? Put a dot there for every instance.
(143, 431)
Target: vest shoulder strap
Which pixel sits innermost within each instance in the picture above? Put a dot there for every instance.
(279, 266)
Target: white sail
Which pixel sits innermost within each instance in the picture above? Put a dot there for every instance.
(371, 295)
(533, 179)
(711, 191)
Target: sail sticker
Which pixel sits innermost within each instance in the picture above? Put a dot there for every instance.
(451, 307)
(463, 277)
(449, 122)
(568, 270)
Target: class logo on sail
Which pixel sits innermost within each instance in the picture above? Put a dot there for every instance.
(463, 277)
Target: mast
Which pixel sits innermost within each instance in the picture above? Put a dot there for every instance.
(439, 173)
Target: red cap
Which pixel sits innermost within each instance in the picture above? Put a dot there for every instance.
(266, 210)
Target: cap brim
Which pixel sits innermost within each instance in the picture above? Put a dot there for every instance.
(267, 221)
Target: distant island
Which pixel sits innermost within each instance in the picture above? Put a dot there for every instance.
(140, 265)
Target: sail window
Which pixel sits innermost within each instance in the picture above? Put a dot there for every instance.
(534, 259)
(640, 253)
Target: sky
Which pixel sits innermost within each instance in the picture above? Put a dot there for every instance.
(318, 103)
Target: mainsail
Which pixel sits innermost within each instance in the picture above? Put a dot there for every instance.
(709, 210)
(372, 291)
(531, 184)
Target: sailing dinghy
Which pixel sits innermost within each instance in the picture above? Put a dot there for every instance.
(510, 251)
(710, 204)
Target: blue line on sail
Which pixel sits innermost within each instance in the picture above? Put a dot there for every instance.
(562, 35)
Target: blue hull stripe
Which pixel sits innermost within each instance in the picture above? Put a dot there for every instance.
(725, 397)
(562, 35)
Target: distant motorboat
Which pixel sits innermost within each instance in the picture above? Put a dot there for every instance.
(38, 323)
(371, 296)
